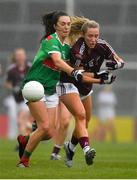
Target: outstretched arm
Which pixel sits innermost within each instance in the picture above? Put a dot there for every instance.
(115, 63)
(102, 77)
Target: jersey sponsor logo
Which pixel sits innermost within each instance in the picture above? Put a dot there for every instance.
(50, 64)
(56, 47)
(90, 63)
(97, 60)
(93, 62)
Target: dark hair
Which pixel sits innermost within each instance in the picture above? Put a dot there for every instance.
(51, 19)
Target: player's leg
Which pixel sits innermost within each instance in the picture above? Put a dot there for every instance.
(87, 103)
(40, 113)
(23, 139)
(75, 106)
(63, 118)
(52, 102)
(24, 126)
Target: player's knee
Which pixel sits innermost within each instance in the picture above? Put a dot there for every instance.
(64, 125)
(44, 129)
(81, 115)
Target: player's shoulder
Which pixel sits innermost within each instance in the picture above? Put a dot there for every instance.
(52, 37)
(104, 44)
(79, 45)
(48, 39)
(80, 41)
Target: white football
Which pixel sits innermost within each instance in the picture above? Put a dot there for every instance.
(33, 91)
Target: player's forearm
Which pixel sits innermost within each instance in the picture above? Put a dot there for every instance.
(63, 66)
(90, 80)
(117, 58)
(60, 64)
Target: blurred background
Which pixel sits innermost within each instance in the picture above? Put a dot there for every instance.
(20, 26)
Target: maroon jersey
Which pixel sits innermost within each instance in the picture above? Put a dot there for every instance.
(15, 77)
(90, 59)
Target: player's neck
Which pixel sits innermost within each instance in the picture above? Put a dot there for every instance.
(62, 39)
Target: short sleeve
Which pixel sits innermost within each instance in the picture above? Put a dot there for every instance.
(109, 51)
(50, 46)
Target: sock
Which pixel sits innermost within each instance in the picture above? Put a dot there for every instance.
(25, 157)
(84, 143)
(56, 149)
(73, 143)
(24, 139)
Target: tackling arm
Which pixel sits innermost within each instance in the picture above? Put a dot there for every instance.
(102, 77)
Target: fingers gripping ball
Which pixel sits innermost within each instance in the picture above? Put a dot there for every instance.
(33, 91)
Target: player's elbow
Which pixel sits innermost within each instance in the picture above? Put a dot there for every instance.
(58, 63)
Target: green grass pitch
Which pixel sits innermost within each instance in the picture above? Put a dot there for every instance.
(113, 160)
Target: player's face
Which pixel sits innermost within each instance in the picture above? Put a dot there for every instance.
(20, 56)
(63, 26)
(91, 37)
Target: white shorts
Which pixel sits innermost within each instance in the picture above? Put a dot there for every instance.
(51, 101)
(66, 88)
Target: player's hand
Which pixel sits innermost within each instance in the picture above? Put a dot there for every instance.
(108, 79)
(102, 74)
(77, 74)
(113, 65)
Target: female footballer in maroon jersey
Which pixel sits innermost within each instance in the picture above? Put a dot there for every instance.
(88, 53)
